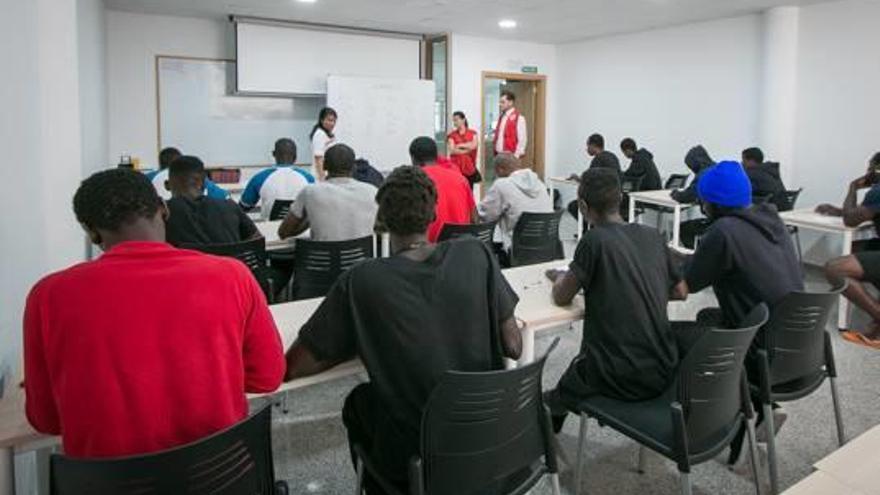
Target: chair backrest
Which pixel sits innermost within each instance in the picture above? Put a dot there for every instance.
(795, 335)
(789, 200)
(631, 183)
(317, 264)
(252, 253)
(760, 199)
(536, 239)
(479, 428)
(710, 380)
(280, 208)
(676, 181)
(231, 462)
(482, 231)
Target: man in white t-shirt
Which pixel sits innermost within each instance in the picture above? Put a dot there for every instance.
(283, 181)
(516, 190)
(339, 208)
(511, 132)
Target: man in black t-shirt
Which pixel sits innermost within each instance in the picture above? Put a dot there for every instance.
(627, 273)
(410, 318)
(196, 218)
(602, 158)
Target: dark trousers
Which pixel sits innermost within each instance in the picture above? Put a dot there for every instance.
(387, 448)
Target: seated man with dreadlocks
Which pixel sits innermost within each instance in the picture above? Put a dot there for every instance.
(122, 354)
(427, 309)
(628, 350)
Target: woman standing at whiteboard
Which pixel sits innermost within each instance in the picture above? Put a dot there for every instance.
(462, 145)
(322, 138)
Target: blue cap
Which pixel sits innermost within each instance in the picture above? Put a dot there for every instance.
(725, 184)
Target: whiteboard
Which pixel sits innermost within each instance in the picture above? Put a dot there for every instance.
(198, 115)
(379, 117)
(277, 59)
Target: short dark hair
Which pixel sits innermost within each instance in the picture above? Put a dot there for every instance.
(111, 198)
(753, 155)
(596, 140)
(339, 159)
(600, 190)
(875, 160)
(187, 166)
(628, 144)
(510, 95)
(168, 155)
(406, 201)
(285, 147)
(423, 150)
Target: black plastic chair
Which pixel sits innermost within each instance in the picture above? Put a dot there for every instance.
(701, 412)
(317, 264)
(760, 199)
(794, 357)
(789, 202)
(628, 184)
(676, 181)
(482, 231)
(536, 239)
(280, 208)
(479, 429)
(252, 253)
(235, 461)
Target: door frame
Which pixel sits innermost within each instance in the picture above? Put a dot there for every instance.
(540, 123)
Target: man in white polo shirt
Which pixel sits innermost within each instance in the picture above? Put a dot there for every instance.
(510, 133)
(283, 181)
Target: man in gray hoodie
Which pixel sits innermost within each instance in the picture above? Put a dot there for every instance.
(516, 190)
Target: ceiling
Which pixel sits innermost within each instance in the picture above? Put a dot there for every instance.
(544, 21)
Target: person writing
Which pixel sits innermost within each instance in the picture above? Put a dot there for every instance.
(394, 313)
(511, 131)
(147, 347)
(462, 144)
(322, 138)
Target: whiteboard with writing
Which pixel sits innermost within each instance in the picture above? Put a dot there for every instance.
(379, 117)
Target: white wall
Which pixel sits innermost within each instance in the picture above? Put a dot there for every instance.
(669, 89)
(92, 51)
(133, 41)
(470, 56)
(40, 136)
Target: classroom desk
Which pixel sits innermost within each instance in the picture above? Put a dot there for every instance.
(660, 198)
(821, 483)
(856, 464)
(568, 181)
(269, 229)
(808, 219)
(535, 309)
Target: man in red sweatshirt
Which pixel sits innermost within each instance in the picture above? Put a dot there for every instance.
(148, 347)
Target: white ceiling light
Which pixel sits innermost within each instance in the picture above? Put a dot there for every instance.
(306, 1)
(507, 24)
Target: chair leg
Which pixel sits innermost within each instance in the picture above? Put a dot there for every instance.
(582, 440)
(685, 483)
(360, 477)
(554, 479)
(753, 454)
(797, 244)
(643, 459)
(771, 449)
(841, 436)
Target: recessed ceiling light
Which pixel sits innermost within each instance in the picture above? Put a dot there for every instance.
(507, 23)
(306, 1)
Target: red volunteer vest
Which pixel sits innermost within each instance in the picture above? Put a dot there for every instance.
(510, 137)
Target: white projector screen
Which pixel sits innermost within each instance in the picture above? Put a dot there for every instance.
(278, 59)
(379, 117)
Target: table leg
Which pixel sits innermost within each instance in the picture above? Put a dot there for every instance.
(580, 229)
(676, 226)
(528, 346)
(632, 210)
(7, 471)
(843, 304)
(386, 245)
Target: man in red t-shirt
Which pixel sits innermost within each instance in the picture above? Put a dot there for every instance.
(148, 347)
(455, 200)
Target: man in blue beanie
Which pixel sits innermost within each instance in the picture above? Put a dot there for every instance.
(746, 256)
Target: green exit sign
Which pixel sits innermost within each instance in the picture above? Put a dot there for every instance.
(530, 69)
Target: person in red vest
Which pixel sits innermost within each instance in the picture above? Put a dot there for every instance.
(462, 144)
(510, 133)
